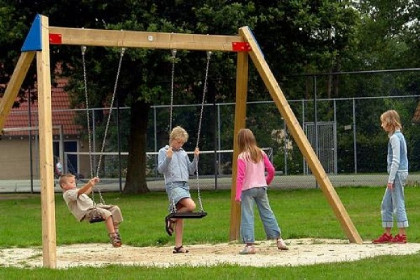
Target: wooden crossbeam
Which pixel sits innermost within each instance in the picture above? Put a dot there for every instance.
(139, 39)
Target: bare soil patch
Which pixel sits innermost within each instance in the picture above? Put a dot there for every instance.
(301, 252)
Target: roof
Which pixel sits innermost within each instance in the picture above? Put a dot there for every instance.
(61, 113)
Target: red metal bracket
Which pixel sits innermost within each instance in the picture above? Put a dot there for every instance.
(241, 46)
(55, 39)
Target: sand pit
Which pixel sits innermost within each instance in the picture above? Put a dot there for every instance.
(301, 252)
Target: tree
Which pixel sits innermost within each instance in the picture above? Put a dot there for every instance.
(306, 37)
(145, 73)
(385, 28)
(13, 29)
(295, 37)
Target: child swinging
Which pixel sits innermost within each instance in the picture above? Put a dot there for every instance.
(84, 209)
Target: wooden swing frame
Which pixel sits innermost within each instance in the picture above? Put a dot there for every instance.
(38, 43)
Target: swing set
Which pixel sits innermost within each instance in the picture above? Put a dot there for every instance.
(38, 41)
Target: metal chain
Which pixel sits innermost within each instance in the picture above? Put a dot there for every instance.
(110, 111)
(199, 127)
(204, 97)
(87, 110)
(172, 89)
(88, 120)
(173, 52)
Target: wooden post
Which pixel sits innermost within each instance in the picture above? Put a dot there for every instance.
(240, 115)
(14, 85)
(46, 149)
(300, 137)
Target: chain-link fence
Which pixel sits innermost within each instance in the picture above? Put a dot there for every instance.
(345, 133)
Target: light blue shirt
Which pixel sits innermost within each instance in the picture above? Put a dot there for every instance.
(397, 155)
(178, 168)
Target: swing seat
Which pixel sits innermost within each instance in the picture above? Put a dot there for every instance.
(187, 215)
(96, 219)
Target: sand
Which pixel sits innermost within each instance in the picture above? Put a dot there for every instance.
(301, 252)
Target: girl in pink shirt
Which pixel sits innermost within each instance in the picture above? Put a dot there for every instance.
(251, 186)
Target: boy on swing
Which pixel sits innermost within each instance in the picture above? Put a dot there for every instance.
(174, 163)
(83, 208)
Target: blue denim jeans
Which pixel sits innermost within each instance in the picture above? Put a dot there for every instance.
(393, 203)
(259, 195)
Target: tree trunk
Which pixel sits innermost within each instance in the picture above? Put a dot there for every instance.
(136, 166)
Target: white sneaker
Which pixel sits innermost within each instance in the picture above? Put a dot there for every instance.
(247, 250)
(281, 245)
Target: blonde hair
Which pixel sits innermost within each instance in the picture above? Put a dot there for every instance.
(391, 119)
(248, 144)
(63, 179)
(178, 133)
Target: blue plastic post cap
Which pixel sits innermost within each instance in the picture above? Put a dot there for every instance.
(33, 39)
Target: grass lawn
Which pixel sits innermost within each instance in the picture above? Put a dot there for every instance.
(300, 213)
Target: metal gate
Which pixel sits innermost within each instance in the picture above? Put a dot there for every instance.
(326, 142)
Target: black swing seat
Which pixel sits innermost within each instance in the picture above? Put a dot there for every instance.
(96, 217)
(187, 215)
(96, 220)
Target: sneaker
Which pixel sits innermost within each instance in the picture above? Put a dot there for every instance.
(247, 250)
(281, 245)
(399, 238)
(384, 238)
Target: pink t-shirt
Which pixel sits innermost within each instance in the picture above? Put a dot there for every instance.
(252, 175)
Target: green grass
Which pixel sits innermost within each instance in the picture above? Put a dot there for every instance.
(385, 267)
(300, 213)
